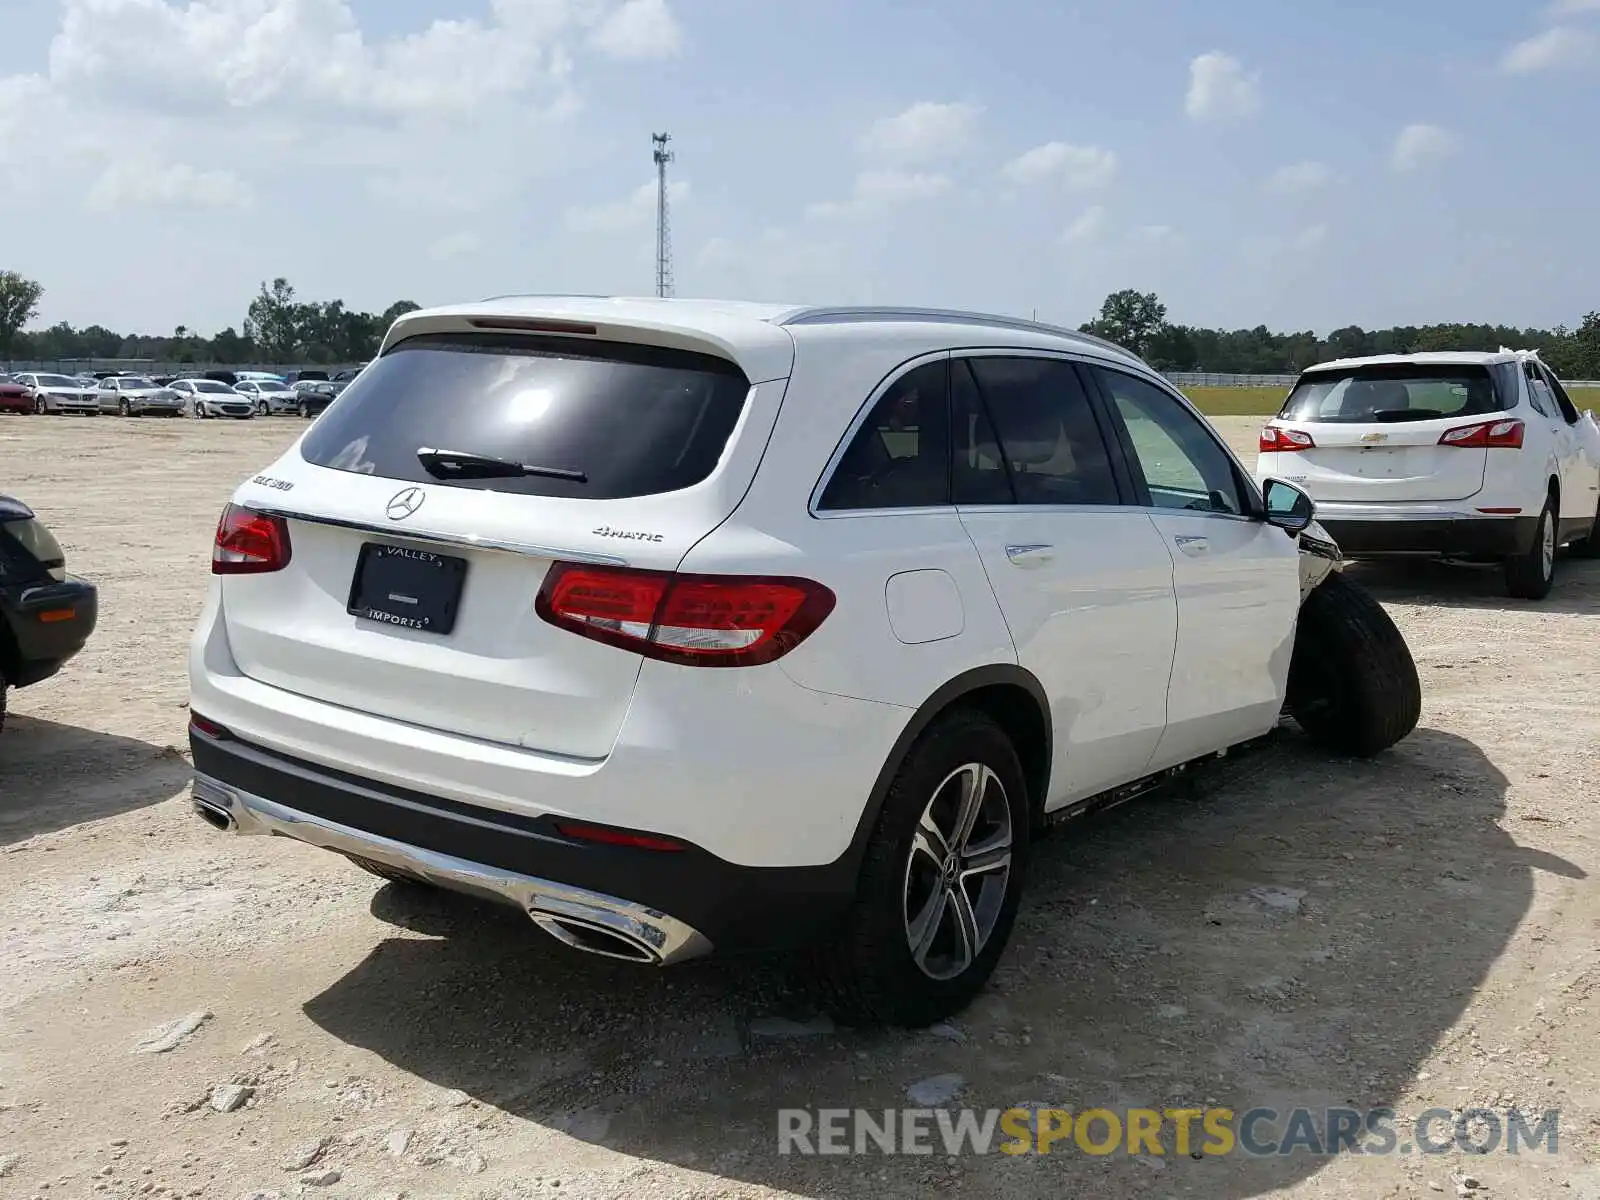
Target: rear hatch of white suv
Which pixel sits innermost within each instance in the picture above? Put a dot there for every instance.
(1390, 432)
(423, 512)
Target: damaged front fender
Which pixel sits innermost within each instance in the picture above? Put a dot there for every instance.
(1319, 557)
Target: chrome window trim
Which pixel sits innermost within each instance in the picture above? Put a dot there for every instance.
(860, 419)
(459, 541)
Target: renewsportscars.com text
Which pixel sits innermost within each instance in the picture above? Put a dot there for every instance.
(1193, 1132)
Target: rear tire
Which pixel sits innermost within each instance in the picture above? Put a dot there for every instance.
(1589, 547)
(123, 410)
(1353, 684)
(1529, 576)
(959, 905)
(40, 408)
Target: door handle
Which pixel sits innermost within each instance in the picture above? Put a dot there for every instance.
(1030, 554)
(1191, 543)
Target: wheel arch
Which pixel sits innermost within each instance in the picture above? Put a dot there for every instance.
(1013, 697)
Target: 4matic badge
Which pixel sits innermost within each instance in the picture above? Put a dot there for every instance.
(627, 535)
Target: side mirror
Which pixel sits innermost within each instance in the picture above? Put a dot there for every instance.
(1287, 506)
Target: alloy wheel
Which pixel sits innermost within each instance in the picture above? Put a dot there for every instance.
(958, 871)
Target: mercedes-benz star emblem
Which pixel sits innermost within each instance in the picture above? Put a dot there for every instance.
(403, 504)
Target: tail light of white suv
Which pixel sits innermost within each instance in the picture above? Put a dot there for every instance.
(249, 543)
(1485, 435)
(692, 620)
(1275, 440)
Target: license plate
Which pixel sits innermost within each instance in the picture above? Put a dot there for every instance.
(410, 589)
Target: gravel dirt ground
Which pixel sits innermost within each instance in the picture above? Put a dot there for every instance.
(1418, 931)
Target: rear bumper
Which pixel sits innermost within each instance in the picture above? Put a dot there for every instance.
(669, 905)
(49, 624)
(1435, 532)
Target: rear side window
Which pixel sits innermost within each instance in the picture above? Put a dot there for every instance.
(1393, 394)
(629, 420)
(900, 457)
(1025, 433)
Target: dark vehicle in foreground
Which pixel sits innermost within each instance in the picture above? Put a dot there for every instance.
(314, 395)
(46, 615)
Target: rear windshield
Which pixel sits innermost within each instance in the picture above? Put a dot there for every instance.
(633, 420)
(1392, 394)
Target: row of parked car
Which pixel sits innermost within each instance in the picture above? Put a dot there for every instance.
(226, 394)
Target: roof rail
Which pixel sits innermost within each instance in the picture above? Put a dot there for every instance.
(548, 296)
(822, 316)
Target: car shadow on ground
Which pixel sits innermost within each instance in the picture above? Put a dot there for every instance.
(53, 776)
(1302, 933)
(1470, 585)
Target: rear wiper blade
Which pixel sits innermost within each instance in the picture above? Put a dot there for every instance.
(463, 464)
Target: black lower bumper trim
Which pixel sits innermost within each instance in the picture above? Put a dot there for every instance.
(737, 908)
(1489, 537)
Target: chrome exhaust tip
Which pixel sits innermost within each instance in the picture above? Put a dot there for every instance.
(219, 819)
(595, 938)
(214, 806)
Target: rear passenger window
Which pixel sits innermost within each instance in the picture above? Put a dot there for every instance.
(900, 457)
(1025, 433)
(1539, 391)
(1565, 408)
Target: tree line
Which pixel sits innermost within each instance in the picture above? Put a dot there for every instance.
(278, 328)
(1138, 320)
(281, 328)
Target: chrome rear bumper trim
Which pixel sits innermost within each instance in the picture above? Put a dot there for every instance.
(658, 938)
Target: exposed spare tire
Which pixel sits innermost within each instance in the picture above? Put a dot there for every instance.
(1353, 685)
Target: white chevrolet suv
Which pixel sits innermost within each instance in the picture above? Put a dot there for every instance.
(687, 626)
(1461, 455)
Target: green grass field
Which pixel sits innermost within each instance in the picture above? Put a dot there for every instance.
(1264, 401)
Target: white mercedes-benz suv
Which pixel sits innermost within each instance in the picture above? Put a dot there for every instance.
(687, 626)
(1454, 454)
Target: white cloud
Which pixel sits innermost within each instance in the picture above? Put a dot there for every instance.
(1573, 8)
(922, 133)
(1301, 177)
(460, 244)
(878, 192)
(1156, 234)
(1309, 238)
(1078, 167)
(1088, 227)
(636, 211)
(1562, 46)
(640, 29)
(1220, 90)
(1421, 144)
(133, 183)
(311, 57)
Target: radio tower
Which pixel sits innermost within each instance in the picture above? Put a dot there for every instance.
(663, 216)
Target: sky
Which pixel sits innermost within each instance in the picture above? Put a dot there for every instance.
(1299, 166)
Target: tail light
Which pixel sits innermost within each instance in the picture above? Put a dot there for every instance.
(694, 620)
(1485, 435)
(249, 543)
(1284, 441)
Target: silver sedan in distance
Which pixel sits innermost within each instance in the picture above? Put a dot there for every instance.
(272, 397)
(60, 394)
(212, 398)
(135, 395)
